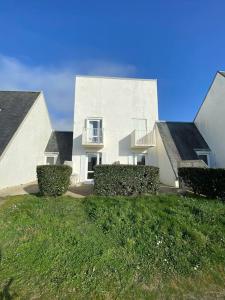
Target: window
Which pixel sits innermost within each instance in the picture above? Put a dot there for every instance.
(94, 130)
(93, 159)
(51, 158)
(140, 159)
(204, 155)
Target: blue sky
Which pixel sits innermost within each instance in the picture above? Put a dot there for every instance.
(45, 43)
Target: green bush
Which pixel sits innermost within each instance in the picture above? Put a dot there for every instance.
(53, 180)
(208, 182)
(112, 180)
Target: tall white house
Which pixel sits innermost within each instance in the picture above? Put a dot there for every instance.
(114, 120)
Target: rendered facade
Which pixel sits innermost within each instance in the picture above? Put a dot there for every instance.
(115, 121)
(25, 131)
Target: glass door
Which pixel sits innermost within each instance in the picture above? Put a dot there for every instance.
(93, 159)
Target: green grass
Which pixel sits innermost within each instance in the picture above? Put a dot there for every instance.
(158, 247)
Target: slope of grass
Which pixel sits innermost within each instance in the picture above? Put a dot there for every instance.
(106, 248)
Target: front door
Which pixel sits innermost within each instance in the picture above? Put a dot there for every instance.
(93, 159)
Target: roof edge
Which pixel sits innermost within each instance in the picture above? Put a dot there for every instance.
(21, 91)
(166, 150)
(116, 77)
(218, 72)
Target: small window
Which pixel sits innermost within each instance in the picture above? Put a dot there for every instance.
(51, 159)
(204, 156)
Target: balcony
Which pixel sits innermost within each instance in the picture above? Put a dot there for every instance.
(92, 137)
(142, 139)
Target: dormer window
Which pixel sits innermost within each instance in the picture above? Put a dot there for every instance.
(204, 156)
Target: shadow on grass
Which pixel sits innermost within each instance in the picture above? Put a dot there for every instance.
(5, 293)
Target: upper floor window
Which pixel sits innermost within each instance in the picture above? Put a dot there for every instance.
(94, 130)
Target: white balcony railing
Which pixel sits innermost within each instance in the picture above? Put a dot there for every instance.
(142, 139)
(92, 137)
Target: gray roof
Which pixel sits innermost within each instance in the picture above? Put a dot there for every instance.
(61, 142)
(14, 107)
(181, 139)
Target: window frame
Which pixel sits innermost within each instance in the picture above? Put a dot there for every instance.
(94, 138)
(55, 155)
(99, 158)
(206, 153)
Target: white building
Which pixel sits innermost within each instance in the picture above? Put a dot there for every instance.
(27, 138)
(25, 129)
(210, 120)
(200, 143)
(114, 122)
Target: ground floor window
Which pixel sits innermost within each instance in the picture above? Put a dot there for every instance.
(204, 155)
(140, 159)
(51, 158)
(93, 159)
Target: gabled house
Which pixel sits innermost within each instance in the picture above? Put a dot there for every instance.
(179, 144)
(210, 120)
(59, 148)
(25, 129)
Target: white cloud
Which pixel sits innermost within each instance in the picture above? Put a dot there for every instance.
(57, 83)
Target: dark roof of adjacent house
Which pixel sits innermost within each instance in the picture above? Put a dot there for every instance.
(61, 142)
(181, 140)
(14, 106)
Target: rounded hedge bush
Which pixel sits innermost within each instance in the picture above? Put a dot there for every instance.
(53, 180)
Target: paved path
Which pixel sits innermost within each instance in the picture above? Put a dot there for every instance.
(74, 191)
(32, 188)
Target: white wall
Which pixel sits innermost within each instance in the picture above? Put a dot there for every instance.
(26, 149)
(210, 121)
(166, 173)
(118, 101)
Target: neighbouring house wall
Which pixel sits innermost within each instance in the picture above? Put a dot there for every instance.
(26, 149)
(118, 101)
(167, 175)
(210, 121)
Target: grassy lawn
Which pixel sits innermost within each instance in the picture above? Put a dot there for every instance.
(159, 247)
